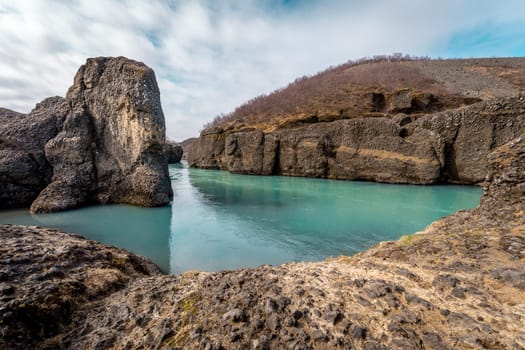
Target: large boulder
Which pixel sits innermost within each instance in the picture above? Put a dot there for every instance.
(173, 152)
(24, 168)
(103, 143)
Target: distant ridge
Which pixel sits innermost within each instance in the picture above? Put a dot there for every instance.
(376, 87)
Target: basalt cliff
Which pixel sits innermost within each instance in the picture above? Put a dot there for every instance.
(459, 284)
(173, 152)
(103, 143)
(403, 121)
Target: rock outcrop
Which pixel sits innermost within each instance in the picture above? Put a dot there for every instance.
(103, 143)
(186, 146)
(449, 146)
(24, 168)
(460, 284)
(47, 275)
(173, 152)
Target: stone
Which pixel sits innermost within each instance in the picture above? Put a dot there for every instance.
(445, 281)
(450, 146)
(333, 317)
(357, 332)
(103, 143)
(173, 152)
(273, 322)
(6, 289)
(235, 315)
(24, 169)
(414, 299)
(42, 307)
(319, 335)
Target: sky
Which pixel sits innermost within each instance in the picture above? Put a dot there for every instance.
(210, 56)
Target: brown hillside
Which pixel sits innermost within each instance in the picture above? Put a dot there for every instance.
(381, 86)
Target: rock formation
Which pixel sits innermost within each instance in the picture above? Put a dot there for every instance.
(459, 284)
(387, 119)
(186, 146)
(103, 143)
(47, 275)
(24, 168)
(449, 146)
(173, 152)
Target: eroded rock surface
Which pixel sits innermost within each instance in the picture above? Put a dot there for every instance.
(173, 152)
(450, 146)
(457, 285)
(103, 143)
(47, 275)
(24, 168)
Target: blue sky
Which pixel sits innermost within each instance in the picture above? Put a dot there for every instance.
(210, 56)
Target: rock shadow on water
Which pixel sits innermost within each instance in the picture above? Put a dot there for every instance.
(144, 231)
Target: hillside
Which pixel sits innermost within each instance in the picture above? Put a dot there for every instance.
(380, 86)
(387, 119)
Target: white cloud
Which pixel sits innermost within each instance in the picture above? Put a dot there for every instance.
(210, 56)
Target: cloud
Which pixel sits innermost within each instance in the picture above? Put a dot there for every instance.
(211, 56)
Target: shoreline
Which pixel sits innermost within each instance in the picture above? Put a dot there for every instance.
(458, 284)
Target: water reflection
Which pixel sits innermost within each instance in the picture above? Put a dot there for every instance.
(251, 220)
(144, 231)
(222, 221)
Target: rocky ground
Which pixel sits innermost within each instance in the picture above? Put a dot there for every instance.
(47, 275)
(460, 284)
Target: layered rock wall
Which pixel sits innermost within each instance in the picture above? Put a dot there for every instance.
(173, 152)
(449, 146)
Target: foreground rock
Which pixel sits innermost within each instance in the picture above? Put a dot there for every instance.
(450, 146)
(460, 284)
(46, 275)
(103, 143)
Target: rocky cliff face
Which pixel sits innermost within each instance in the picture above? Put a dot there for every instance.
(447, 146)
(173, 152)
(460, 284)
(24, 168)
(186, 146)
(103, 143)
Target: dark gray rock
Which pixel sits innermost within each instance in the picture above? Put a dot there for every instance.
(173, 152)
(46, 295)
(24, 168)
(449, 146)
(103, 143)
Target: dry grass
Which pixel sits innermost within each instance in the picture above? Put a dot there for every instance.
(328, 92)
(365, 87)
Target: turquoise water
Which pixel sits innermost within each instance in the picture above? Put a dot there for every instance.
(222, 221)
